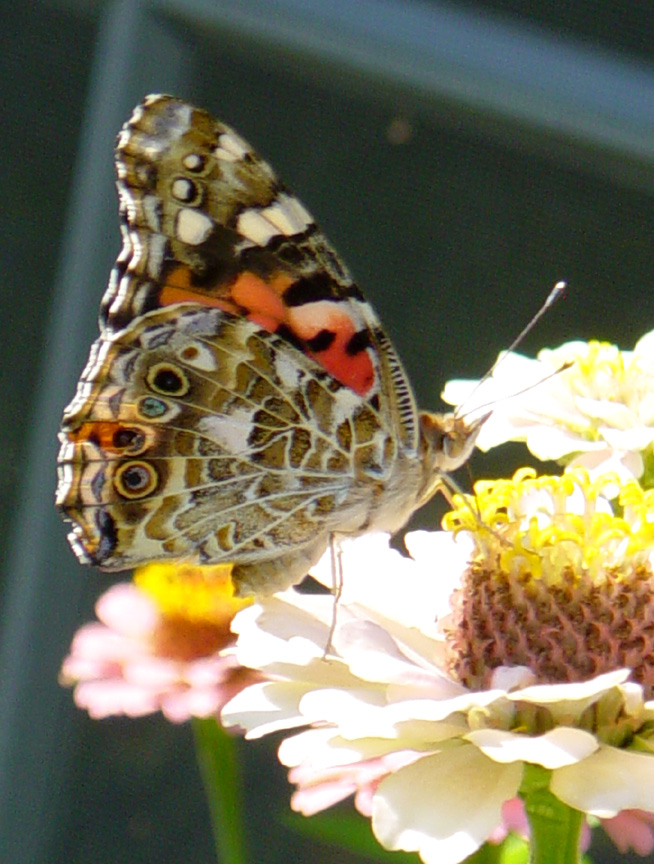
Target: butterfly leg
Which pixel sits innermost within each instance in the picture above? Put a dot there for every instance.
(336, 556)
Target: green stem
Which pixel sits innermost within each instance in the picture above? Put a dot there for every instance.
(555, 828)
(216, 754)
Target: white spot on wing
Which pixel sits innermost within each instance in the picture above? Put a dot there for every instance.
(252, 225)
(183, 113)
(300, 213)
(137, 250)
(193, 227)
(224, 155)
(65, 473)
(287, 371)
(230, 147)
(287, 215)
(346, 402)
(230, 432)
(203, 359)
(192, 162)
(156, 251)
(182, 189)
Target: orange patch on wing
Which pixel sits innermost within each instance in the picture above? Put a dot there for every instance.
(262, 302)
(98, 432)
(261, 298)
(356, 371)
(178, 289)
(169, 296)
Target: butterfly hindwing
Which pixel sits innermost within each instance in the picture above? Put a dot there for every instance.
(199, 433)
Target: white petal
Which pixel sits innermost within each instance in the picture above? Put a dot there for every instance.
(608, 781)
(441, 558)
(576, 694)
(604, 461)
(644, 348)
(322, 749)
(513, 372)
(372, 653)
(635, 438)
(373, 573)
(364, 560)
(314, 746)
(512, 677)
(458, 390)
(553, 442)
(399, 658)
(364, 714)
(264, 708)
(276, 631)
(444, 805)
(559, 747)
(612, 414)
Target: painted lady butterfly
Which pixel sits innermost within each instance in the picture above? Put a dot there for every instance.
(242, 402)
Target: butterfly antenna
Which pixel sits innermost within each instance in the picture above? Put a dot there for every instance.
(551, 298)
(562, 368)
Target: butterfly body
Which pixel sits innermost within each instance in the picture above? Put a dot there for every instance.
(242, 402)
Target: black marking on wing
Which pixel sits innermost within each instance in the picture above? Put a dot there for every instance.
(358, 342)
(321, 341)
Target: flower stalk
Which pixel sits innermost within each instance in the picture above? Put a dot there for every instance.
(555, 828)
(218, 763)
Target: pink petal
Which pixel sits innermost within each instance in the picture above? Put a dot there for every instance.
(152, 672)
(364, 798)
(209, 670)
(97, 642)
(179, 706)
(312, 799)
(127, 610)
(631, 829)
(107, 698)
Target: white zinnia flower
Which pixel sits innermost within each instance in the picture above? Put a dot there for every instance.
(601, 409)
(429, 715)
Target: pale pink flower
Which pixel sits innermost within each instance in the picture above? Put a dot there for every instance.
(136, 660)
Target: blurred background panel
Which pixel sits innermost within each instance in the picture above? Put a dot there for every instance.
(461, 158)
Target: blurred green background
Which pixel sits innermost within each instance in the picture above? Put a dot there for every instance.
(462, 158)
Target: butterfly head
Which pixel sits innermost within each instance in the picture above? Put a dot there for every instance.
(447, 440)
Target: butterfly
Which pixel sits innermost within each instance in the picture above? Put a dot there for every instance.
(242, 403)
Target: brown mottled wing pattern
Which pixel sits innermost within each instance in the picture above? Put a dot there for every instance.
(205, 219)
(198, 435)
(242, 402)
